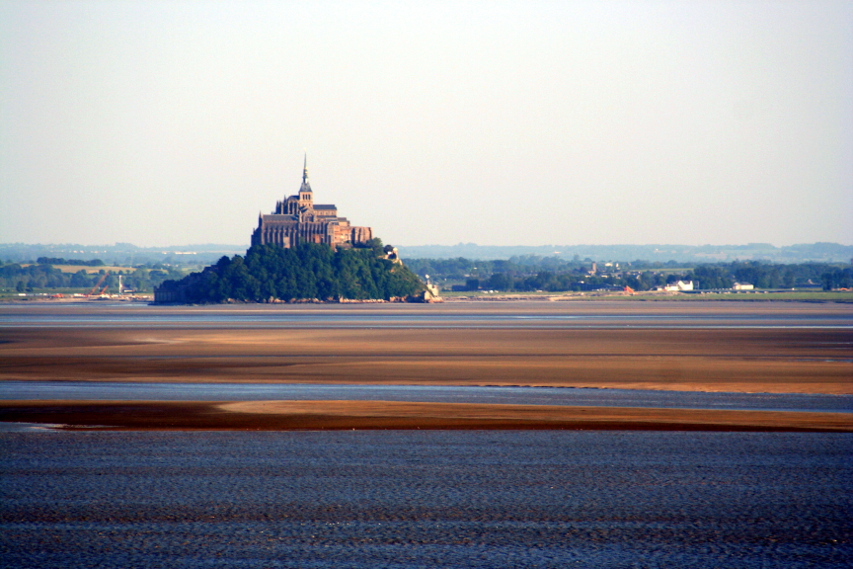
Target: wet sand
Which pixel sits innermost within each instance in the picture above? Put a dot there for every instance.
(742, 360)
(634, 355)
(381, 415)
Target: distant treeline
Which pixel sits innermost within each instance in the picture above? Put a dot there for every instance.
(61, 261)
(769, 275)
(692, 254)
(308, 271)
(124, 254)
(530, 273)
(200, 255)
(15, 277)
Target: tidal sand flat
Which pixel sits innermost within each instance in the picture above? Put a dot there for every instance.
(754, 348)
(672, 346)
(422, 484)
(425, 499)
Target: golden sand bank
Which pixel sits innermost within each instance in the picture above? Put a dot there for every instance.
(380, 415)
(734, 360)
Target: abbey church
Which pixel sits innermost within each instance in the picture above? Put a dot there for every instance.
(298, 219)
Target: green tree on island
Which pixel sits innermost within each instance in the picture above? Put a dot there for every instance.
(307, 271)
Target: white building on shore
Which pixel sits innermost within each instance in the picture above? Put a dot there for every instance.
(679, 286)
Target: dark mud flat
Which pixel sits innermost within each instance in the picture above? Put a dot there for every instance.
(426, 499)
(396, 415)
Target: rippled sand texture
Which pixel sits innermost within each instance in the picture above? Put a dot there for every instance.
(422, 500)
(482, 350)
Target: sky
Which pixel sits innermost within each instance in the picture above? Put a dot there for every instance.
(496, 123)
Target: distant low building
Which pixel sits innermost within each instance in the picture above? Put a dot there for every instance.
(679, 286)
(297, 219)
(743, 286)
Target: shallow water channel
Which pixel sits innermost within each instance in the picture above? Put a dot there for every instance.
(433, 394)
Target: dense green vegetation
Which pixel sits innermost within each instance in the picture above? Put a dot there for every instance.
(531, 273)
(308, 271)
(770, 275)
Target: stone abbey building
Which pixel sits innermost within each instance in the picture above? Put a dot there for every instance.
(298, 219)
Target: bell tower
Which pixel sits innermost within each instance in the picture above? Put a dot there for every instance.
(306, 196)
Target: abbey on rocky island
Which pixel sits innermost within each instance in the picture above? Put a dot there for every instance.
(297, 219)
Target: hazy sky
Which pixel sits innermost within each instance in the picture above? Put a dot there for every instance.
(500, 123)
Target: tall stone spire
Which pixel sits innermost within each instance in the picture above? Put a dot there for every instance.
(306, 187)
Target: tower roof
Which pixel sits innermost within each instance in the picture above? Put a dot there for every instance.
(306, 187)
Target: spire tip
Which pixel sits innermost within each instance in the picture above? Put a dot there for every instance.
(305, 168)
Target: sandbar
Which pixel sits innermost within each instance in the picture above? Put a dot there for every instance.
(395, 415)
